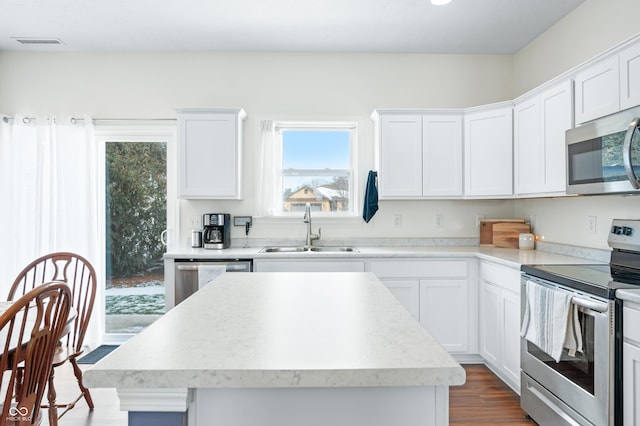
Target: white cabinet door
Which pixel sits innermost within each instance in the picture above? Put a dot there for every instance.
(490, 322)
(597, 90)
(499, 318)
(540, 124)
(630, 77)
(529, 147)
(631, 384)
(444, 312)
(400, 156)
(511, 336)
(556, 118)
(261, 265)
(488, 143)
(442, 155)
(209, 147)
(408, 294)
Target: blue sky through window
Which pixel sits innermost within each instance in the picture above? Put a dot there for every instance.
(315, 149)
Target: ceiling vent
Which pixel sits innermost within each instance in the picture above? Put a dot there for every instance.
(37, 41)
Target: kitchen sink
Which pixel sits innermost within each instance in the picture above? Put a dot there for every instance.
(313, 249)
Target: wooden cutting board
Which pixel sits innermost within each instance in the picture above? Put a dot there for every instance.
(486, 229)
(507, 234)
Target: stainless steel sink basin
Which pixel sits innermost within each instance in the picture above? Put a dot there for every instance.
(333, 249)
(313, 249)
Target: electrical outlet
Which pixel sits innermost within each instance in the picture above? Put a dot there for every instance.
(194, 222)
(534, 221)
(479, 217)
(592, 222)
(397, 221)
(439, 220)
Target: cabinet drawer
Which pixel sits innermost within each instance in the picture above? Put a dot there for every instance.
(422, 269)
(505, 277)
(631, 324)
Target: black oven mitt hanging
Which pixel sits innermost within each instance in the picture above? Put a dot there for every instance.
(370, 197)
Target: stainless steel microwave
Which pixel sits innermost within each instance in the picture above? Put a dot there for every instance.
(603, 156)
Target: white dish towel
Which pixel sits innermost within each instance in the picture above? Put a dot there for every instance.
(548, 315)
(208, 273)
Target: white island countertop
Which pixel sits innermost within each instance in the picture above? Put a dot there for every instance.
(282, 330)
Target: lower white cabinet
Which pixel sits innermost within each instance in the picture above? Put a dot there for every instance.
(631, 363)
(439, 293)
(292, 265)
(408, 294)
(499, 320)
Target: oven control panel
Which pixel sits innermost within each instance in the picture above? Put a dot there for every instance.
(624, 234)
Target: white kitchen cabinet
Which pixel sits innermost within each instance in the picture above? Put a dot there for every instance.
(444, 312)
(210, 153)
(631, 363)
(630, 77)
(419, 154)
(400, 156)
(499, 321)
(540, 123)
(488, 147)
(442, 291)
(293, 265)
(408, 294)
(442, 155)
(597, 90)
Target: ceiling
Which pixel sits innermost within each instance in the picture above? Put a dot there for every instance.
(372, 26)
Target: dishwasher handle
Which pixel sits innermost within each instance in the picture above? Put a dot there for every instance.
(229, 267)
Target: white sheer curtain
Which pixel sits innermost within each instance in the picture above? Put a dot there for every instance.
(265, 176)
(49, 189)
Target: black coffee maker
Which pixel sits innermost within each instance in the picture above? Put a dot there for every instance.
(216, 230)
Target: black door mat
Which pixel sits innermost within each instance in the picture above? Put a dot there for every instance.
(97, 354)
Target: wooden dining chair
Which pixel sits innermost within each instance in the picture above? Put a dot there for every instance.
(80, 276)
(30, 331)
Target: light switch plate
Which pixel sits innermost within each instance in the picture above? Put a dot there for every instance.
(242, 220)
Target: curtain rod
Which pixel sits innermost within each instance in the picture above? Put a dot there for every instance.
(74, 120)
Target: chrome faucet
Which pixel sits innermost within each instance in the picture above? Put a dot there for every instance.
(307, 220)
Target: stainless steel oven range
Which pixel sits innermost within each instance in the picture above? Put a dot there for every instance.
(584, 388)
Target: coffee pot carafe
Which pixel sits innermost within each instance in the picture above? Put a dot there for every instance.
(216, 230)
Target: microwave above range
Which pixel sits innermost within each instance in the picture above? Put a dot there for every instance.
(603, 156)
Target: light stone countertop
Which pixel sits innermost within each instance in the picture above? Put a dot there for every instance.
(282, 330)
(509, 257)
(630, 295)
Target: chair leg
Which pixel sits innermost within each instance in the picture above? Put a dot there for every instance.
(85, 392)
(51, 394)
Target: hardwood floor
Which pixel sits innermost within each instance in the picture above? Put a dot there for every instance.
(482, 401)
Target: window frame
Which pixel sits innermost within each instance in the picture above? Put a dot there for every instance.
(279, 127)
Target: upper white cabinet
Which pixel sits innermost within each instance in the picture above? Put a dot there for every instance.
(488, 145)
(540, 123)
(608, 86)
(597, 90)
(630, 77)
(419, 154)
(442, 155)
(210, 153)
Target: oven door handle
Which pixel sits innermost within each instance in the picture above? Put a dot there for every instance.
(590, 304)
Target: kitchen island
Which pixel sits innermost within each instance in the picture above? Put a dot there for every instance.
(283, 349)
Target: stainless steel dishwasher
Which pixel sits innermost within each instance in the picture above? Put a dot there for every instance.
(186, 271)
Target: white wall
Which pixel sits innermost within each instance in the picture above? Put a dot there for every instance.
(282, 86)
(275, 86)
(592, 28)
